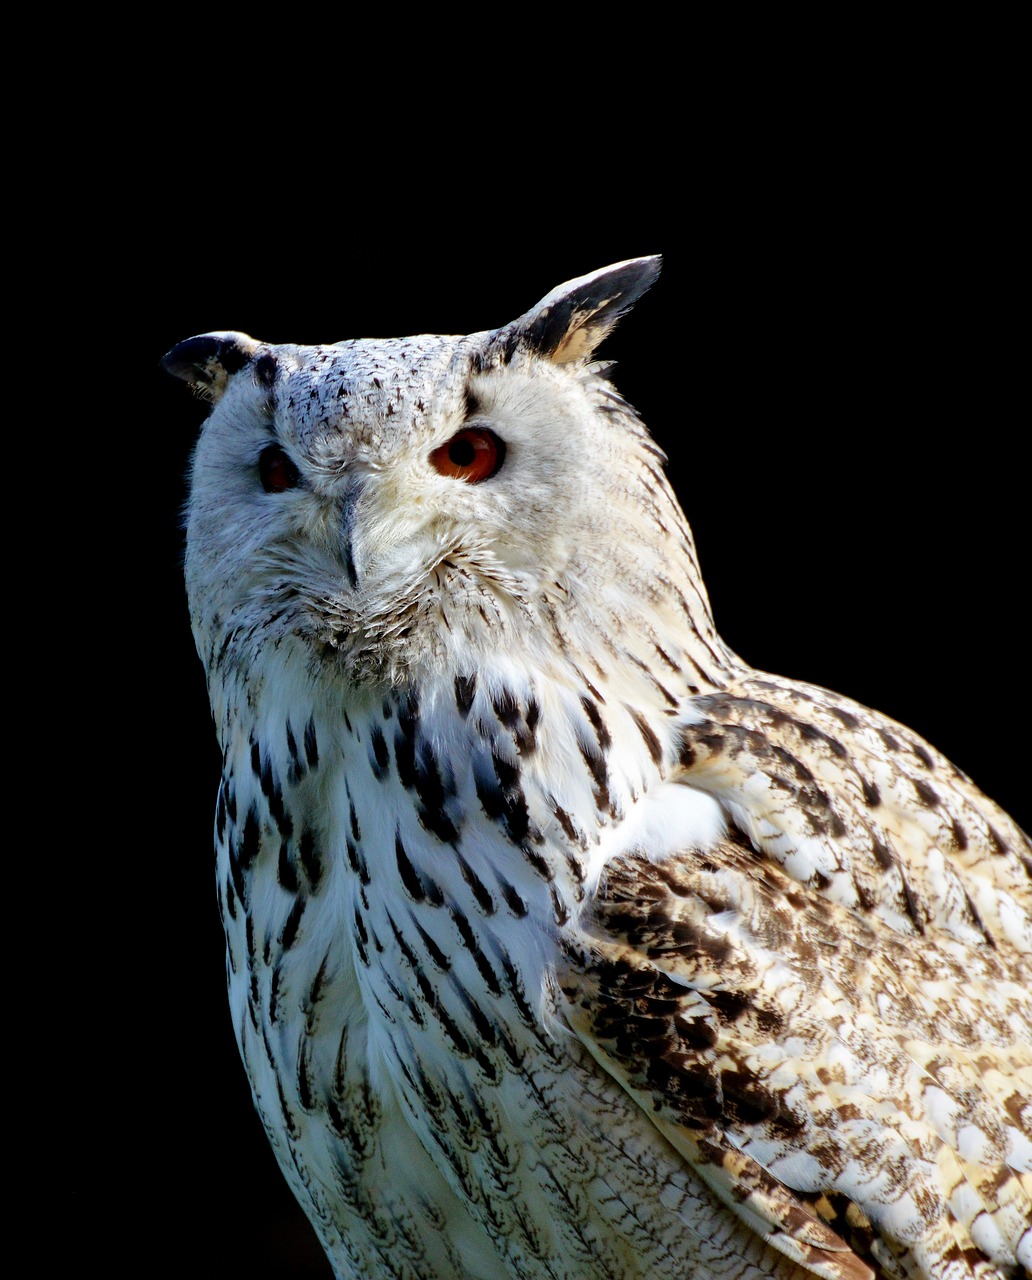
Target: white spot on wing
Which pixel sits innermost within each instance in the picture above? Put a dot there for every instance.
(668, 819)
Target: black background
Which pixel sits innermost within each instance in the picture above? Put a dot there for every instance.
(829, 358)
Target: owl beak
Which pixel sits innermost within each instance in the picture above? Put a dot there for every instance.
(348, 522)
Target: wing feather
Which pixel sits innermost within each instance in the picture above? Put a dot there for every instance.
(861, 1103)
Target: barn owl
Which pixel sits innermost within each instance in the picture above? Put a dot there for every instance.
(561, 943)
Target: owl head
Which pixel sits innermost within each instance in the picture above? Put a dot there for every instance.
(388, 504)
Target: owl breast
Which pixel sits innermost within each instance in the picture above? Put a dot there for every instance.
(392, 976)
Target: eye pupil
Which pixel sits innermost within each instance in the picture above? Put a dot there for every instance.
(276, 471)
(473, 454)
(461, 452)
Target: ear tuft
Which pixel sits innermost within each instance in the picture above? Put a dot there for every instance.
(569, 323)
(208, 361)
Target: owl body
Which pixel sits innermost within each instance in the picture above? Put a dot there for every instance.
(560, 942)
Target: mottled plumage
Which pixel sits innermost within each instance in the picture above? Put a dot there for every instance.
(561, 943)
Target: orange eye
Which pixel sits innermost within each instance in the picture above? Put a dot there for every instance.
(474, 454)
(276, 471)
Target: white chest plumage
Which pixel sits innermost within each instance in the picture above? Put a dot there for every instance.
(398, 887)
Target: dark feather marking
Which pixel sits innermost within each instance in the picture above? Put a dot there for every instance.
(310, 859)
(286, 872)
(427, 1092)
(910, 902)
(512, 982)
(591, 688)
(729, 1005)
(252, 1006)
(602, 733)
(380, 758)
(502, 797)
(485, 1064)
(420, 888)
(408, 953)
(357, 862)
(361, 938)
(469, 941)
(437, 822)
(305, 1093)
(405, 758)
(292, 747)
(566, 822)
(648, 737)
(315, 991)
(485, 1029)
(883, 855)
(250, 842)
(976, 920)
(665, 657)
(512, 899)
(433, 950)
(465, 691)
(230, 899)
(848, 719)
(462, 1045)
(559, 908)
(702, 672)
(288, 1116)
(311, 744)
(668, 697)
(539, 864)
(274, 996)
(533, 715)
(241, 853)
(220, 657)
(433, 793)
(577, 870)
(292, 924)
(597, 768)
(409, 878)
(274, 797)
(864, 896)
(812, 732)
(231, 800)
(926, 793)
(507, 709)
(480, 890)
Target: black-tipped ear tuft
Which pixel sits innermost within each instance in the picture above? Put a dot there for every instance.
(569, 323)
(208, 361)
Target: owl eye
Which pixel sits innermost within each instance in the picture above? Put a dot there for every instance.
(276, 470)
(474, 454)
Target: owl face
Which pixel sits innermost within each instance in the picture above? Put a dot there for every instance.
(389, 502)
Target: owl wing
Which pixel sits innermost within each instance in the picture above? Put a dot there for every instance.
(828, 1014)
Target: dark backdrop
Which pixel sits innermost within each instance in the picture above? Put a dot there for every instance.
(829, 359)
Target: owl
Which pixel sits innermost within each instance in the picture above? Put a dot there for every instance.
(561, 943)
